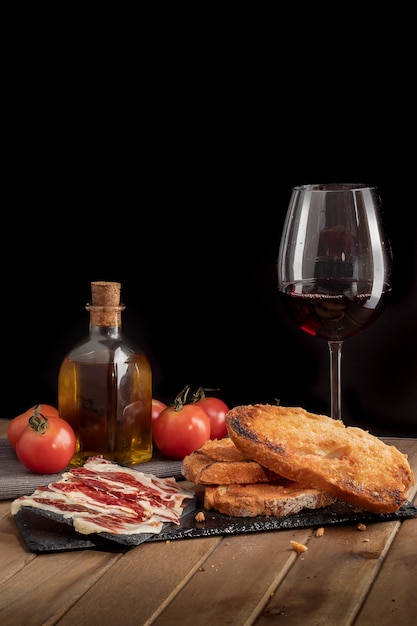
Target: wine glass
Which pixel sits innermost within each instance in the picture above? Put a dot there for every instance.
(334, 266)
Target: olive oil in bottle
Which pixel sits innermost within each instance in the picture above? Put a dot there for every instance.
(105, 387)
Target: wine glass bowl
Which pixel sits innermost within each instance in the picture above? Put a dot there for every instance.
(334, 266)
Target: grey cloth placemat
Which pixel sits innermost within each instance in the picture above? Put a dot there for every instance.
(16, 480)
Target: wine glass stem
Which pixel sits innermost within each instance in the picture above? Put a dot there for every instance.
(335, 348)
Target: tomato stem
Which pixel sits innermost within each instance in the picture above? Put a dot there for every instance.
(181, 399)
(38, 422)
(200, 393)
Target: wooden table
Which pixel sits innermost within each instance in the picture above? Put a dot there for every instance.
(347, 576)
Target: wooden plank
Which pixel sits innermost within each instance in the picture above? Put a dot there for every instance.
(139, 585)
(393, 597)
(328, 583)
(44, 590)
(14, 555)
(236, 580)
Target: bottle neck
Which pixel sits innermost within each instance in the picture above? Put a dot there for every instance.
(109, 317)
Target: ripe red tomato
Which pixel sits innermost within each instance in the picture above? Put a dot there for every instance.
(216, 409)
(47, 445)
(19, 423)
(181, 428)
(157, 407)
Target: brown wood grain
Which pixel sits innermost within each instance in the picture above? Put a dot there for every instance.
(237, 579)
(331, 580)
(47, 586)
(393, 596)
(147, 580)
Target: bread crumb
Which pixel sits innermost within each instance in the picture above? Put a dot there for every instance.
(361, 526)
(298, 547)
(200, 517)
(320, 532)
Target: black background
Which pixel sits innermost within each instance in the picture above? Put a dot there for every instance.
(174, 179)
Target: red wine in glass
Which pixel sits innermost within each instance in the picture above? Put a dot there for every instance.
(334, 266)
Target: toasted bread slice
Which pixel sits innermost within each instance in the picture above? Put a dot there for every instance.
(320, 452)
(219, 462)
(271, 499)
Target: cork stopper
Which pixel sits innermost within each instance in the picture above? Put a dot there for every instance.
(105, 308)
(105, 293)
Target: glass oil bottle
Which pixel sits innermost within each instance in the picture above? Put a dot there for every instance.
(105, 386)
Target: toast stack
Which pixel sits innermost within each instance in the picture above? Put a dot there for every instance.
(235, 485)
(315, 450)
(220, 462)
(279, 460)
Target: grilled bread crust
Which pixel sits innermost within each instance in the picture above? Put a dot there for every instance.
(270, 499)
(320, 452)
(219, 462)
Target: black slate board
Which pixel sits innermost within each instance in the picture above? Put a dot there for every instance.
(44, 532)
(218, 524)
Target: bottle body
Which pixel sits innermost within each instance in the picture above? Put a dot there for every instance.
(105, 393)
(105, 387)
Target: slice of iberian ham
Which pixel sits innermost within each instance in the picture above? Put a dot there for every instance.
(101, 496)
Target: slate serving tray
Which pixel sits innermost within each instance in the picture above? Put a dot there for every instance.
(43, 531)
(46, 531)
(218, 524)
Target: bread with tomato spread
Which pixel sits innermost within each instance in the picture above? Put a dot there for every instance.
(220, 462)
(322, 453)
(233, 484)
(275, 499)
